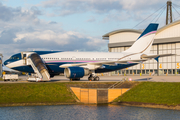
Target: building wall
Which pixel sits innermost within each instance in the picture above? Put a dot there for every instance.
(169, 32)
(166, 66)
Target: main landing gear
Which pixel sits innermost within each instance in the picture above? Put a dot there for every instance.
(93, 77)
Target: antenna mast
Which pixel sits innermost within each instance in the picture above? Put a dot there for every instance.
(169, 12)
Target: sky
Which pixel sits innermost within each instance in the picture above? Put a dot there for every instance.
(71, 25)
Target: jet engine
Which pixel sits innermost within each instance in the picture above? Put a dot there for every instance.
(76, 72)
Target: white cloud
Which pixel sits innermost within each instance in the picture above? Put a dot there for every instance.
(117, 16)
(66, 7)
(9, 14)
(113, 10)
(50, 40)
(22, 30)
(59, 39)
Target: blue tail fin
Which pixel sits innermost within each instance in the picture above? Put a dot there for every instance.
(152, 28)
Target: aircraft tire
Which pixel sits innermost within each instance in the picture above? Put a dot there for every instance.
(96, 78)
(90, 78)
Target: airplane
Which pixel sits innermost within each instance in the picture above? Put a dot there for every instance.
(76, 65)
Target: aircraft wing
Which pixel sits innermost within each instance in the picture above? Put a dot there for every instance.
(157, 56)
(103, 63)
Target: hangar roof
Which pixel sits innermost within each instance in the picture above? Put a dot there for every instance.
(119, 31)
(156, 41)
(168, 26)
(106, 36)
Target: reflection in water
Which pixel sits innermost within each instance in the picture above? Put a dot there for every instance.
(86, 112)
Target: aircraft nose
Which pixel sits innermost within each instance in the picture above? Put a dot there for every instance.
(6, 62)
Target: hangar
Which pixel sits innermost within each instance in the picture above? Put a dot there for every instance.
(167, 40)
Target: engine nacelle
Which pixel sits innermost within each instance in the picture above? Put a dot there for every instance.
(76, 72)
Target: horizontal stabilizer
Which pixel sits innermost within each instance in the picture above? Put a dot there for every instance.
(155, 56)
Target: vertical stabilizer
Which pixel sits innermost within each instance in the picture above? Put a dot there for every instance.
(144, 42)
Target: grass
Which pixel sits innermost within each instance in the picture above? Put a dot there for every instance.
(13, 93)
(153, 92)
(35, 93)
(1, 79)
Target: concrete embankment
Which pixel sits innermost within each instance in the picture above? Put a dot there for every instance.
(149, 105)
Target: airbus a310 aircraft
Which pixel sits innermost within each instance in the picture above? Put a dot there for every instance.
(75, 65)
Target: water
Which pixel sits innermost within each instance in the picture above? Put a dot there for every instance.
(86, 112)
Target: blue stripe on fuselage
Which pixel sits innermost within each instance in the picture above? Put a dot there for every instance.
(55, 69)
(45, 52)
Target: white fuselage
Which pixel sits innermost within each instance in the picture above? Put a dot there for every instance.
(60, 58)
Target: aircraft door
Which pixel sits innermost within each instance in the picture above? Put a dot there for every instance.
(24, 56)
(74, 59)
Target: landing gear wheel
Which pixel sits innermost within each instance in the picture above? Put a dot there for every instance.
(90, 78)
(96, 78)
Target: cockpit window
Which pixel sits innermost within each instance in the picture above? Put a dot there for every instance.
(14, 58)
